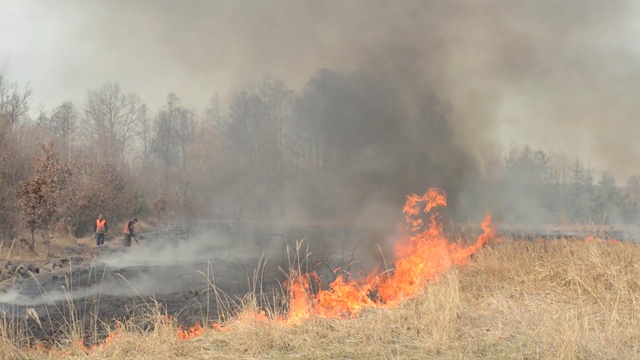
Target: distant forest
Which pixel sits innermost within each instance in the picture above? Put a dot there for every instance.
(343, 148)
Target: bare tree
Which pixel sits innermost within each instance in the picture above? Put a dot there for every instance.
(14, 153)
(63, 124)
(14, 103)
(213, 113)
(143, 132)
(278, 125)
(174, 130)
(109, 121)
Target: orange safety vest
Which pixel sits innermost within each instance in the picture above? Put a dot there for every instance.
(126, 227)
(100, 225)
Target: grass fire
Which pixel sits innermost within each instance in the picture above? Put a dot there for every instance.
(481, 297)
(423, 256)
(319, 179)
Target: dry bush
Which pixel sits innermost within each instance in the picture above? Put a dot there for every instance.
(93, 189)
(40, 195)
(17, 149)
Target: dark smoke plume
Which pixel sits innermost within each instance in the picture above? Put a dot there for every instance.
(557, 75)
(463, 79)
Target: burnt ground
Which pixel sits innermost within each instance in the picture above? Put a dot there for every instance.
(165, 270)
(171, 271)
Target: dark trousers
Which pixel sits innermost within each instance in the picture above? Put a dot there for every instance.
(127, 239)
(99, 239)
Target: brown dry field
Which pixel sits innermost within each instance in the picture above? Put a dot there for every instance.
(514, 300)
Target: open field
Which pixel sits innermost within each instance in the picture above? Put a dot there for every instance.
(515, 299)
(319, 180)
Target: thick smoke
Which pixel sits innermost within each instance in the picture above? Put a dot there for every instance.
(447, 84)
(559, 76)
(466, 79)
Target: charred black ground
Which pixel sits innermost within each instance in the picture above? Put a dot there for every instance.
(173, 271)
(176, 274)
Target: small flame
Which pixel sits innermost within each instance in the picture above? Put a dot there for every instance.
(592, 239)
(193, 332)
(218, 327)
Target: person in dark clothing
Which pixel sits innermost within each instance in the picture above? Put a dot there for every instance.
(128, 232)
(100, 229)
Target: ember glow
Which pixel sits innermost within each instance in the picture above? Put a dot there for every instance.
(190, 333)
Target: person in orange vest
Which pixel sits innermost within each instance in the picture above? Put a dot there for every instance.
(100, 229)
(128, 232)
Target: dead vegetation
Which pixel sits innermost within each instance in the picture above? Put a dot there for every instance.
(516, 299)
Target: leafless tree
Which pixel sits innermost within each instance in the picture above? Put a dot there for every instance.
(14, 150)
(214, 116)
(63, 124)
(174, 130)
(14, 103)
(109, 122)
(143, 132)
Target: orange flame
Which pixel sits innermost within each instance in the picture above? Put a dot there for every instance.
(592, 239)
(426, 255)
(192, 332)
(220, 328)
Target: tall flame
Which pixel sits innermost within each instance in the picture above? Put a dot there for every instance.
(424, 255)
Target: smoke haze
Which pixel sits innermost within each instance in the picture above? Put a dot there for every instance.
(165, 265)
(399, 96)
(555, 75)
(417, 93)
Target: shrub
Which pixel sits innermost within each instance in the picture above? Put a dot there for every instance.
(140, 206)
(94, 190)
(40, 195)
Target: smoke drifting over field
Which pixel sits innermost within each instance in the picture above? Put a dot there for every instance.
(387, 98)
(555, 75)
(432, 90)
(159, 265)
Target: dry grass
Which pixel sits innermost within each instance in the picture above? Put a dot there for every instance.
(17, 249)
(516, 299)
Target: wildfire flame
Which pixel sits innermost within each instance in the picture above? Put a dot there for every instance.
(422, 256)
(190, 333)
(110, 339)
(592, 239)
(425, 255)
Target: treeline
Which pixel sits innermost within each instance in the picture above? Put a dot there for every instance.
(536, 188)
(344, 146)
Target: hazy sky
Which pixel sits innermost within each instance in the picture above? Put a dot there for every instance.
(560, 75)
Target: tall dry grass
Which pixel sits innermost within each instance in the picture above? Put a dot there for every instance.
(515, 300)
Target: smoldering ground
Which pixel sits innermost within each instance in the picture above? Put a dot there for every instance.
(161, 264)
(187, 279)
(172, 268)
